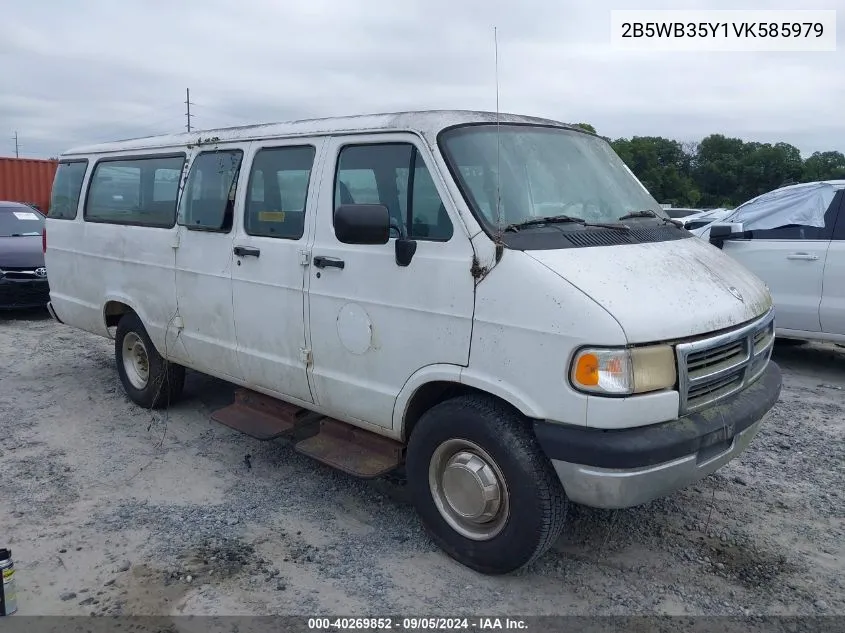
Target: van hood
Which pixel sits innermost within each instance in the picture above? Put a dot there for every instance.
(665, 290)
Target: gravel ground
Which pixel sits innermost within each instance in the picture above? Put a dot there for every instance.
(111, 509)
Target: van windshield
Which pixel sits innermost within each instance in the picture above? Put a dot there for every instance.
(541, 172)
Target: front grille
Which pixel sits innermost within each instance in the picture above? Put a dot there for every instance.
(24, 294)
(713, 368)
(21, 274)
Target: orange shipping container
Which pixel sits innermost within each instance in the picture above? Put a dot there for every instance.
(27, 180)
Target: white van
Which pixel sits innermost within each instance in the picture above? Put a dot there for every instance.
(492, 302)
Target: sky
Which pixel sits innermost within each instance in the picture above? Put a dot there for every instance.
(88, 71)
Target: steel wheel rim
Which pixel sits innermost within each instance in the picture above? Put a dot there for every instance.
(469, 489)
(136, 361)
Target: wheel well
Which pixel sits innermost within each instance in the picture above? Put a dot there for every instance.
(113, 311)
(433, 393)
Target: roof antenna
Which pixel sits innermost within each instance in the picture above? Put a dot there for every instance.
(498, 142)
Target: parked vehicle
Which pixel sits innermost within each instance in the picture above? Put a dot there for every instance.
(23, 277)
(699, 223)
(428, 282)
(794, 239)
(677, 213)
(27, 180)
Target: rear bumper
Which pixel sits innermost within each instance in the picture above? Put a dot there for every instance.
(17, 294)
(628, 467)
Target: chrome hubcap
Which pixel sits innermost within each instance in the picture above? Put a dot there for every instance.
(468, 489)
(136, 363)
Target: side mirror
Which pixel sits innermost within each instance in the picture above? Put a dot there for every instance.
(721, 232)
(362, 224)
(405, 250)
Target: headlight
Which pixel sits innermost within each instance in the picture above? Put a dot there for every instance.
(623, 371)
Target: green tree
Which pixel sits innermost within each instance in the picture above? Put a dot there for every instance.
(824, 166)
(586, 126)
(718, 169)
(662, 166)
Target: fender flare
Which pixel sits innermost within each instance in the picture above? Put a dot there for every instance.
(458, 375)
(120, 298)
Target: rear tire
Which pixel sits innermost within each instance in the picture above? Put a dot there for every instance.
(148, 379)
(483, 488)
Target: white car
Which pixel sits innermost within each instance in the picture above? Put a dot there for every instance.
(699, 224)
(677, 213)
(793, 238)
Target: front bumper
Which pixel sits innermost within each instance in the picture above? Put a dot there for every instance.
(19, 294)
(628, 467)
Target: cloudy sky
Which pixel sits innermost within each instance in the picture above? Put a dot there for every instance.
(81, 71)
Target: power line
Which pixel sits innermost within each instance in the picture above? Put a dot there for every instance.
(17, 146)
(188, 103)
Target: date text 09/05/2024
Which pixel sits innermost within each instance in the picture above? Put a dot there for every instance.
(415, 624)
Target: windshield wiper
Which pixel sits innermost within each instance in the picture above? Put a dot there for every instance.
(562, 219)
(554, 219)
(648, 213)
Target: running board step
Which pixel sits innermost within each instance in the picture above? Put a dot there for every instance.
(352, 450)
(260, 416)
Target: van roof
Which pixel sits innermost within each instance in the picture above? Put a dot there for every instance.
(427, 123)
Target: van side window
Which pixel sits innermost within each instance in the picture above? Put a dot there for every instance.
(128, 191)
(208, 202)
(67, 187)
(395, 175)
(278, 192)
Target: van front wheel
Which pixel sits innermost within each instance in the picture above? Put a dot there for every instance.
(148, 379)
(482, 487)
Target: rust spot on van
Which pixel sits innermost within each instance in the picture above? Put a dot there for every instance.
(477, 270)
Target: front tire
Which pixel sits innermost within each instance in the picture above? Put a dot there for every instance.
(148, 379)
(482, 486)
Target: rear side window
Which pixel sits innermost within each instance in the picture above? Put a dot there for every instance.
(138, 191)
(278, 192)
(208, 203)
(67, 186)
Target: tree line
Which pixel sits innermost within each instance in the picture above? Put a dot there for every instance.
(719, 171)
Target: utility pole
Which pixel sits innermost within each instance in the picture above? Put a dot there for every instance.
(188, 103)
(17, 147)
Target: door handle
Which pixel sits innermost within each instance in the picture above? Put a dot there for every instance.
(247, 251)
(321, 261)
(804, 256)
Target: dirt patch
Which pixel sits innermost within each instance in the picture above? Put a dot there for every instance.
(750, 566)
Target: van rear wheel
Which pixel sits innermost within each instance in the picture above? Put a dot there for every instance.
(481, 485)
(148, 379)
